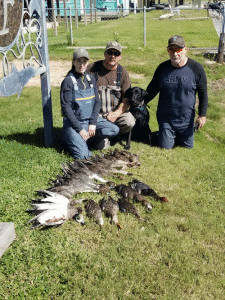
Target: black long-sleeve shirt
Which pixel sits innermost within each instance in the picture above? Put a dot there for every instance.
(177, 88)
(67, 94)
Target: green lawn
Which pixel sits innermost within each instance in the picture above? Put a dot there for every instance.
(177, 254)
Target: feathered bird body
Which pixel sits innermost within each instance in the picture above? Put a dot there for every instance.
(146, 190)
(93, 210)
(78, 166)
(129, 193)
(126, 192)
(128, 207)
(54, 209)
(126, 156)
(110, 207)
(105, 188)
(80, 183)
(57, 216)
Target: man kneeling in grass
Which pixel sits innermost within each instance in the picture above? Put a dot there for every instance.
(177, 81)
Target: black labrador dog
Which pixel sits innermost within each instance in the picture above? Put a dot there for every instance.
(141, 130)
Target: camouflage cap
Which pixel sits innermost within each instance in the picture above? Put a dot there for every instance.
(114, 45)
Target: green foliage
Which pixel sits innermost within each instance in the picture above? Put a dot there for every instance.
(177, 254)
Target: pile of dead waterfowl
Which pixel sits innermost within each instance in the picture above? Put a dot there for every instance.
(55, 205)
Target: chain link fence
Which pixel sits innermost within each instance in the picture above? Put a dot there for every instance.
(133, 28)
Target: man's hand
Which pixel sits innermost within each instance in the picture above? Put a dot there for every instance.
(84, 134)
(91, 130)
(201, 121)
(112, 116)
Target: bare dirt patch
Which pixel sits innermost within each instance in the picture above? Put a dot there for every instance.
(58, 70)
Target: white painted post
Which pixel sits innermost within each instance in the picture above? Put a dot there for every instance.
(95, 11)
(71, 27)
(45, 81)
(76, 13)
(91, 11)
(65, 14)
(85, 17)
(54, 16)
(144, 13)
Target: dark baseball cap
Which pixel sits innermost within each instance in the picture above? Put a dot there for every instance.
(80, 52)
(114, 45)
(176, 40)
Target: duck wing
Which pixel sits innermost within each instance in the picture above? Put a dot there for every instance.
(49, 217)
(146, 190)
(51, 196)
(128, 207)
(125, 191)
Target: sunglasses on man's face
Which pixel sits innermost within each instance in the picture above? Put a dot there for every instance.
(110, 52)
(173, 50)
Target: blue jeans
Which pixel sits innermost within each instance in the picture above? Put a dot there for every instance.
(78, 147)
(170, 136)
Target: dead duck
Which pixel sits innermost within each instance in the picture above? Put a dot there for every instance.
(129, 193)
(93, 210)
(105, 188)
(127, 207)
(144, 202)
(57, 216)
(110, 207)
(144, 189)
(125, 191)
(131, 158)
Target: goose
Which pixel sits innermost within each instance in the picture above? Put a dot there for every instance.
(79, 184)
(110, 207)
(144, 189)
(93, 210)
(107, 165)
(128, 207)
(42, 205)
(57, 215)
(77, 166)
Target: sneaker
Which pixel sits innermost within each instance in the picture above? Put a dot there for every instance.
(103, 144)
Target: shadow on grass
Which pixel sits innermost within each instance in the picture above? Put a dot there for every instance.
(37, 139)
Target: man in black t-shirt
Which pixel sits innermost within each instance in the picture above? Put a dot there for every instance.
(177, 81)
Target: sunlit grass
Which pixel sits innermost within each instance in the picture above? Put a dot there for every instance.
(177, 254)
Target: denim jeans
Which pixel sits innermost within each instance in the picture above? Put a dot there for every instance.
(78, 147)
